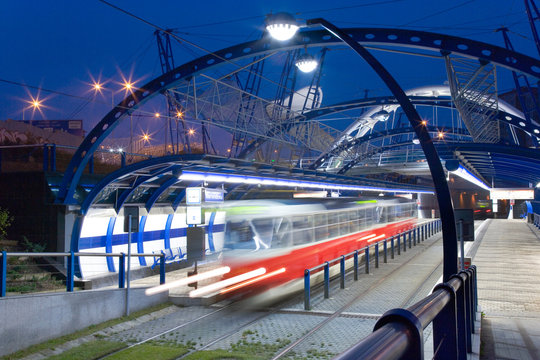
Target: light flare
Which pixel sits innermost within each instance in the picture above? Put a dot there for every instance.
(382, 236)
(189, 280)
(252, 281)
(227, 282)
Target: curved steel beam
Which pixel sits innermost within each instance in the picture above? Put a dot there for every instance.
(156, 193)
(367, 36)
(434, 163)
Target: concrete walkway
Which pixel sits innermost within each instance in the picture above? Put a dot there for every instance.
(508, 262)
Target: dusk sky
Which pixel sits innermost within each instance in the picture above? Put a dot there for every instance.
(61, 45)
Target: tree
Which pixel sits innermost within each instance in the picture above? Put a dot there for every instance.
(5, 222)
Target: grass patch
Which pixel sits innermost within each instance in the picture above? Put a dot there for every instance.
(90, 350)
(151, 350)
(51, 344)
(242, 350)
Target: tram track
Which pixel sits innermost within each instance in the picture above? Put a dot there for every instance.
(238, 329)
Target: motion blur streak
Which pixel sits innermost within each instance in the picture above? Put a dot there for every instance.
(366, 237)
(224, 283)
(377, 238)
(249, 282)
(188, 280)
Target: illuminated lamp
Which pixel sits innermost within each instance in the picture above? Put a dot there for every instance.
(306, 63)
(281, 26)
(455, 168)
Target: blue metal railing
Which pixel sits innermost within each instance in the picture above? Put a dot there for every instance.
(398, 334)
(429, 227)
(71, 266)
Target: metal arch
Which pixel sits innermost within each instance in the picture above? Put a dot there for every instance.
(367, 36)
(156, 193)
(112, 177)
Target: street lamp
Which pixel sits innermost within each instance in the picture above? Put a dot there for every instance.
(35, 104)
(99, 88)
(306, 63)
(285, 25)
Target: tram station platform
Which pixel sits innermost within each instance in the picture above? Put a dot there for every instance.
(505, 253)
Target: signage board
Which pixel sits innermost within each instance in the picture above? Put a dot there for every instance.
(194, 215)
(73, 127)
(213, 195)
(194, 196)
(466, 217)
(134, 212)
(509, 194)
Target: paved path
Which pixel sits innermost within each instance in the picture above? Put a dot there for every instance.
(508, 262)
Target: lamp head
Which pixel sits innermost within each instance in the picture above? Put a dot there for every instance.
(281, 26)
(306, 63)
(382, 115)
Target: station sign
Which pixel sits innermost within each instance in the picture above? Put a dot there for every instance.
(200, 195)
(512, 194)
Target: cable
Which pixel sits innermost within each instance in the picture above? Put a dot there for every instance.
(438, 12)
(351, 7)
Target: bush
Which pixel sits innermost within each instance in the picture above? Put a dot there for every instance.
(5, 222)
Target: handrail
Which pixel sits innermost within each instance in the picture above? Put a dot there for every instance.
(428, 228)
(71, 265)
(398, 334)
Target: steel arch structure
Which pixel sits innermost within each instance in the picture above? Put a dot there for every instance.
(366, 36)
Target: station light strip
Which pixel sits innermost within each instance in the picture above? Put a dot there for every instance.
(258, 180)
(465, 174)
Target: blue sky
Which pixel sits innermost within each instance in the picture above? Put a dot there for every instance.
(61, 45)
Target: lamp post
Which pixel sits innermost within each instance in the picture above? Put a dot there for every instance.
(288, 30)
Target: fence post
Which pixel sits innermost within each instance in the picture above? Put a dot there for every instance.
(385, 246)
(3, 274)
(53, 157)
(422, 230)
(461, 318)
(366, 259)
(342, 272)
(399, 244)
(162, 269)
(355, 265)
(327, 280)
(404, 242)
(445, 329)
(410, 239)
(377, 255)
(414, 236)
(392, 246)
(70, 271)
(468, 313)
(122, 270)
(45, 157)
(307, 300)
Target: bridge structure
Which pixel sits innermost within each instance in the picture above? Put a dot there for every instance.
(245, 121)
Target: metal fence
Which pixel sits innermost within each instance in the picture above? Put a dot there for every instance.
(70, 257)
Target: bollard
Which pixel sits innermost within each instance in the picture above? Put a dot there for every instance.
(385, 259)
(326, 280)
(366, 259)
(3, 274)
(307, 300)
(122, 271)
(70, 271)
(162, 269)
(377, 255)
(342, 272)
(355, 265)
(392, 246)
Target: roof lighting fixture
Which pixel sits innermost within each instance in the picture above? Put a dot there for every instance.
(306, 63)
(457, 169)
(281, 26)
(269, 181)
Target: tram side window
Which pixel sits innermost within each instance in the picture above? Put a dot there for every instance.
(239, 235)
(353, 221)
(361, 219)
(321, 228)
(302, 229)
(390, 213)
(333, 224)
(343, 223)
(369, 217)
